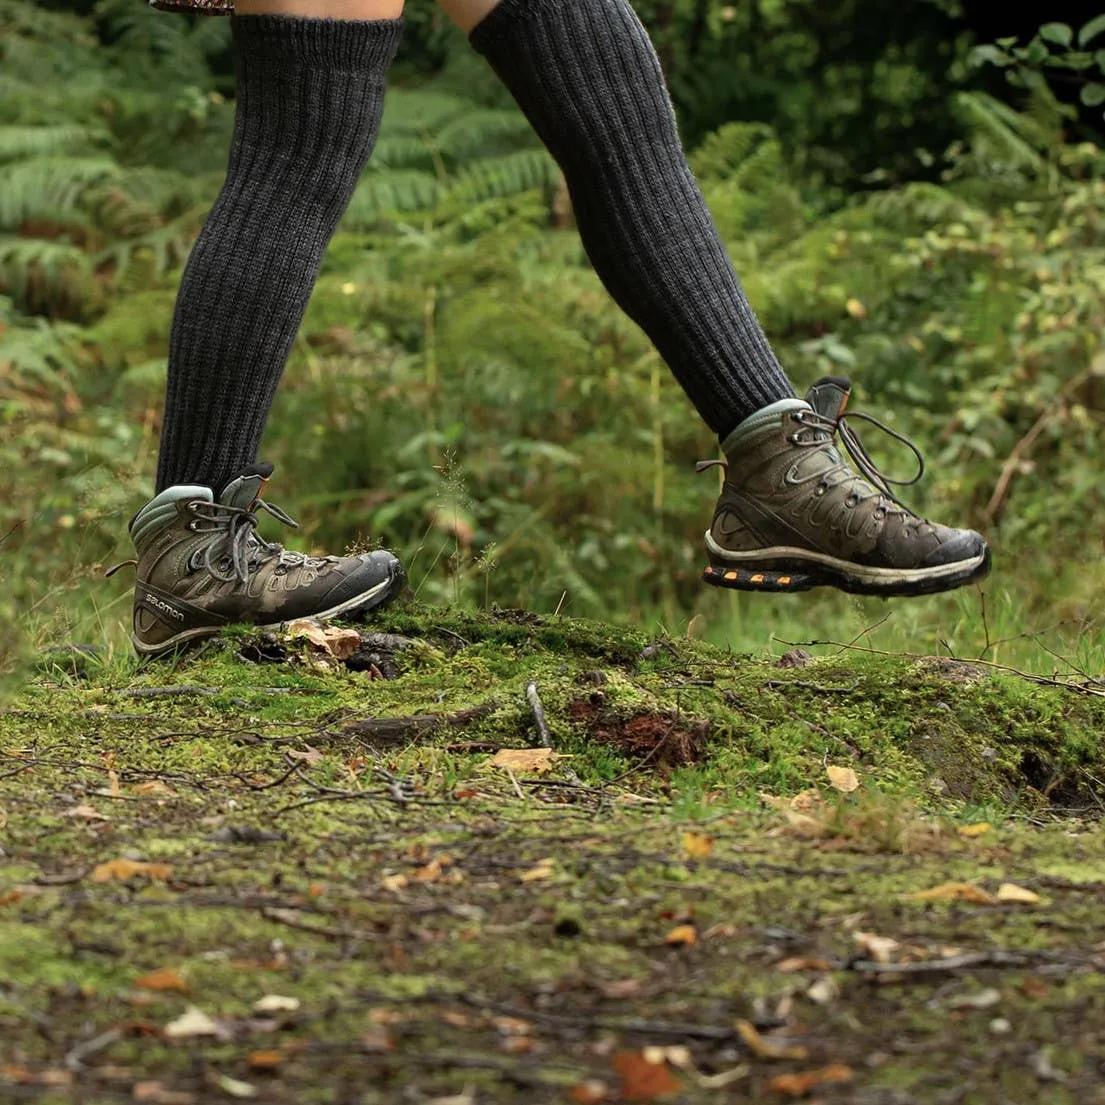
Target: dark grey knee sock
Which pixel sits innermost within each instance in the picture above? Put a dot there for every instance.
(310, 95)
(586, 76)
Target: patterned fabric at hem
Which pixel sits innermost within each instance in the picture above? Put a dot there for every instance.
(197, 7)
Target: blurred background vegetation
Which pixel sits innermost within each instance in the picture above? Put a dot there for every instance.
(913, 193)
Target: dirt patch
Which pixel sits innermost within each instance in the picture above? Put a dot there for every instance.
(666, 739)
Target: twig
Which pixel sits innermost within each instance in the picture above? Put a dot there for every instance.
(74, 1060)
(534, 700)
(397, 729)
(1012, 462)
(290, 918)
(997, 958)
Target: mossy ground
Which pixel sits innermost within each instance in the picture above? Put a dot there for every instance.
(451, 930)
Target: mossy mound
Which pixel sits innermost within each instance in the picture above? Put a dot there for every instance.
(333, 822)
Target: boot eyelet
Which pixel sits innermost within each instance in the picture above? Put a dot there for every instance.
(820, 489)
(851, 501)
(193, 526)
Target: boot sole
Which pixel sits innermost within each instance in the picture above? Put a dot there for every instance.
(782, 569)
(368, 600)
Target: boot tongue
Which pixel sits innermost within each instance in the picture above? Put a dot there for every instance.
(829, 396)
(244, 491)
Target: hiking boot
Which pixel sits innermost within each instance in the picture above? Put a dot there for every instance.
(795, 514)
(201, 566)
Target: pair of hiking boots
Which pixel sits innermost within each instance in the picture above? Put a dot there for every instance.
(795, 512)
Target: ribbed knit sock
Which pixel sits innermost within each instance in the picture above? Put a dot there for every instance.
(310, 96)
(588, 79)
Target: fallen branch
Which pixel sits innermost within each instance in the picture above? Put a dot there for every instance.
(393, 730)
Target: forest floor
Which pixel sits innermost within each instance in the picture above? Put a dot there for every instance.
(328, 869)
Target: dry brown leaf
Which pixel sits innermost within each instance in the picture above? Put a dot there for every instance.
(124, 869)
(330, 639)
(642, 1080)
(86, 813)
(843, 779)
(799, 1085)
(622, 988)
(309, 756)
(275, 1003)
(535, 760)
(823, 991)
(953, 892)
(377, 1039)
(763, 1048)
(164, 978)
(682, 936)
(542, 870)
(1011, 892)
(393, 882)
(978, 829)
(157, 1093)
(153, 786)
(591, 1092)
(880, 948)
(234, 1087)
(697, 846)
(431, 871)
(802, 963)
(264, 1060)
(192, 1022)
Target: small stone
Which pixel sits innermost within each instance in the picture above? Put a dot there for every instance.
(1000, 1026)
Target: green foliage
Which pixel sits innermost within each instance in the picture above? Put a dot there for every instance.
(1053, 53)
(463, 388)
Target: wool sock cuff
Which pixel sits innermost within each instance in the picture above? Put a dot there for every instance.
(328, 43)
(501, 20)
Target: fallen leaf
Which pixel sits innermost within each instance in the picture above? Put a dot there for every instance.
(983, 999)
(124, 869)
(1011, 892)
(377, 1039)
(682, 935)
(697, 846)
(763, 1048)
(309, 756)
(953, 892)
(264, 1060)
(855, 308)
(622, 988)
(192, 1022)
(969, 831)
(234, 1087)
(153, 786)
(156, 1093)
(393, 882)
(512, 1026)
(880, 948)
(642, 1080)
(823, 991)
(536, 760)
(331, 639)
(275, 1003)
(165, 978)
(431, 871)
(799, 1085)
(591, 1092)
(843, 779)
(9, 897)
(543, 870)
(86, 813)
(675, 1054)
(1035, 988)
(802, 963)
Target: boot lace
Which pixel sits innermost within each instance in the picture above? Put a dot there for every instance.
(819, 431)
(239, 547)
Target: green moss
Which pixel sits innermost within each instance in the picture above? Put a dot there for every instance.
(428, 910)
